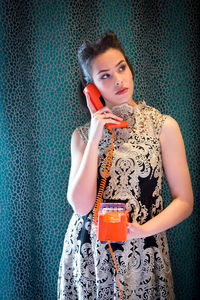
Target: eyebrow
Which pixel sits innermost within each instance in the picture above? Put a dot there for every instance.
(102, 71)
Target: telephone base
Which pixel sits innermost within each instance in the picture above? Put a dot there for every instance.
(112, 223)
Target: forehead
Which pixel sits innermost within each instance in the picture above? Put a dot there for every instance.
(107, 60)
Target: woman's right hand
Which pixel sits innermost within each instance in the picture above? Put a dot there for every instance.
(98, 120)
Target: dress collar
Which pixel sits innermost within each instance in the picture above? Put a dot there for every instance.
(125, 110)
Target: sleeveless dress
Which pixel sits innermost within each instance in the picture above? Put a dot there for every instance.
(87, 269)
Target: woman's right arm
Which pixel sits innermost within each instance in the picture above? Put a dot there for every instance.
(83, 175)
(82, 187)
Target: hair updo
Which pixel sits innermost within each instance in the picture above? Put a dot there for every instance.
(88, 51)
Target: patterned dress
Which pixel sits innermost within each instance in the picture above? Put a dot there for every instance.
(87, 269)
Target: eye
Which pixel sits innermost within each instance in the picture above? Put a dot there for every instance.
(122, 67)
(105, 76)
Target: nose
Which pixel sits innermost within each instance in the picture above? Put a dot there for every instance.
(118, 80)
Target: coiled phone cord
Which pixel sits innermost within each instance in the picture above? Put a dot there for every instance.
(105, 171)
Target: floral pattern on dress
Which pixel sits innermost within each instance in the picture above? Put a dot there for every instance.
(135, 178)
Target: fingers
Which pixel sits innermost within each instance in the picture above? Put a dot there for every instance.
(102, 114)
(106, 114)
(107, 118)
(130, 228)
(135, 230)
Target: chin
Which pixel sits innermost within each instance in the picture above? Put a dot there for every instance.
(118, 101)
(125, 100)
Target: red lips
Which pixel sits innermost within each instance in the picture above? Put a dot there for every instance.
(122, 91)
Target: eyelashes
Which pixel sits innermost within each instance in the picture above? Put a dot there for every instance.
(107, 75)
(122, 67)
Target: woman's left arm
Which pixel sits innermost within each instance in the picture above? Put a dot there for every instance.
(178, 178)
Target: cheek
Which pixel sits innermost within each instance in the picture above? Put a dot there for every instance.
(129, 75)
(131, 82)
(103, 87)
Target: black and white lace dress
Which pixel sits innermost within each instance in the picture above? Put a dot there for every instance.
(86, 268)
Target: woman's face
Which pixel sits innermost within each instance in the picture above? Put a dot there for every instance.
(113, 78)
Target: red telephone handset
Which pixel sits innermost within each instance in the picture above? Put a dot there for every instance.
(97, 99)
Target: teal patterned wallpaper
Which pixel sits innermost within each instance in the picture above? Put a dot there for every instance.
(39, 111)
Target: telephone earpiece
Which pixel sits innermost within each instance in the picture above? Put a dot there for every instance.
(98, 102)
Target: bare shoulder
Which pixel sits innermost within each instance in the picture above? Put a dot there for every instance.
(171, 141)
(175, 161)
(77, 143)
(169, 124)
(170, 130)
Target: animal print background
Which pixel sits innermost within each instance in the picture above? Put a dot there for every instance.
(40, 110)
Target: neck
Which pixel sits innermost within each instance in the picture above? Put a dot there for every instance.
(130, 102)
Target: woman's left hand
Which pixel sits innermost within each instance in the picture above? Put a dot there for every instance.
(135, 230)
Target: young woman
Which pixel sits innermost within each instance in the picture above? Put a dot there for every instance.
(151, 142)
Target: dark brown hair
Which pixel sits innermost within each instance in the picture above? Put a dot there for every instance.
(88, 51)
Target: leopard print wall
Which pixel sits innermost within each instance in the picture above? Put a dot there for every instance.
(40, 110)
